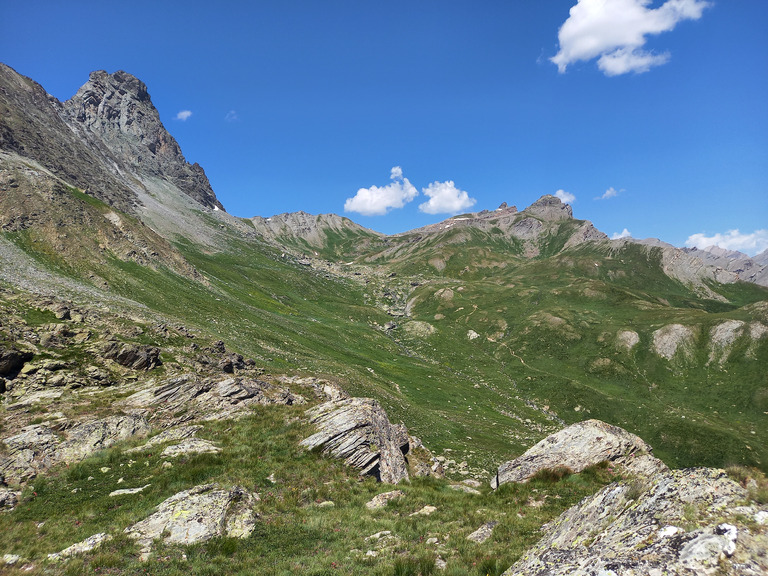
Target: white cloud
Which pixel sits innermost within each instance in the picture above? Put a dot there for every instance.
(566, 197)
(375, 201)
(610, 193)
(184, 115)
(751, 244)
(623, 234)
(445, 198)
(625, 60)
(231, 116)
(614, 31)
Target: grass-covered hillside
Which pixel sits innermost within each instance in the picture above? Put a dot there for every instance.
(472, 344)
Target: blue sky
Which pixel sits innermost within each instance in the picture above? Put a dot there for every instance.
(298, 105)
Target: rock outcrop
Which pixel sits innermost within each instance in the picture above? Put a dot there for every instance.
(747, 269)
(36, 448)
(358, 431)
(578, 446)
(211, 399)
(671, 340)
(133, 356)
(197, 515)
(670, 524)
(12, 361)
(550, 208)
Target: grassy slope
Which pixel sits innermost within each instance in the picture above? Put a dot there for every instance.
(293, 533)
(552, 324)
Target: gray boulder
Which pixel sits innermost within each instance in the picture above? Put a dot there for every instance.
(197, 515)
(358, 431)
(671, 524)
(579, 446)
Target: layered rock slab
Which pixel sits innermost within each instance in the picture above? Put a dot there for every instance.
(358, 431)
(579, 446)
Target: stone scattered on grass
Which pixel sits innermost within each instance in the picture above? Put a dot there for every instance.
(380, 500)
(190, 446)
(463, 488)
(483, 533)
(426, 511)
(128, 491)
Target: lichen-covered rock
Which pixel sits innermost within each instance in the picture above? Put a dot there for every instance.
(579, 446)
(358, 431)
(170, 435)
(670, 524)
(29, 452)
(380, 500)
(483, 533)
(197, 515)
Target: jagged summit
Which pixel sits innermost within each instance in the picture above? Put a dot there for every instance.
(550, 208)
(116, 110)
(107, 139)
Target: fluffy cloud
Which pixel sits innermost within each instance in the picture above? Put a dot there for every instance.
(614, 31)
(184, 115)
(623, 234)
(445, 198)
(610, 193)
(231, 116)
(566, 197)
(376, 201)
(751, 244)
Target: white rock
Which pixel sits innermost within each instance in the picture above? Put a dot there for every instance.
(11, 559)
(426, 511)
(380, 500)
(125, 491)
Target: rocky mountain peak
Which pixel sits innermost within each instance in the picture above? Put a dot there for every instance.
(550, 207)
(116, 111)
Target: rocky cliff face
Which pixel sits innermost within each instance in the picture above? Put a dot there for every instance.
(734, 262)
(115, 111)
(32, 125)
(107, 140)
